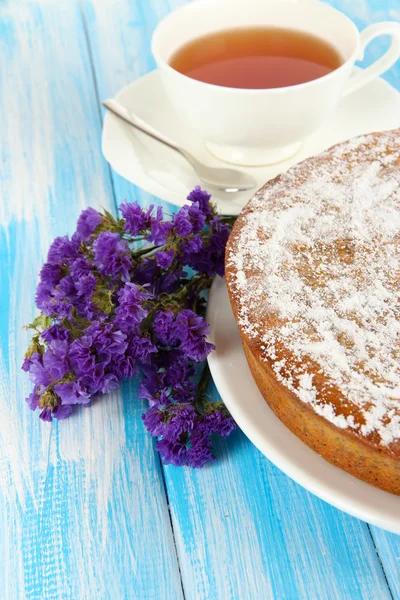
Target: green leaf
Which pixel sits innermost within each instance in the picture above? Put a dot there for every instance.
(35, 346)
(110, 223)
(48, 398)
(74, 331)
(77, 326)
(40, 322)
(102, 298)
(210, 407)
(80, 321)
(109, 216)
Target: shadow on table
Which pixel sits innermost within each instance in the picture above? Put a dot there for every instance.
(230, 446)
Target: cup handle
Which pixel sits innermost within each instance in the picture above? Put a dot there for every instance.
(383, 63)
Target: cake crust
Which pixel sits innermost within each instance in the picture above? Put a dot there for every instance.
(318, 306)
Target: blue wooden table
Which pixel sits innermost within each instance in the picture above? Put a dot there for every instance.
(87, 512)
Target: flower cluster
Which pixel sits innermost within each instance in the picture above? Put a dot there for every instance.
(125, 297)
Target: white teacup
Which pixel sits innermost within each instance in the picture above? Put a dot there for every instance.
(264, 126)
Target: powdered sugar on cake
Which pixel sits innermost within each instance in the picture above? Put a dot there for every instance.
(316, 274)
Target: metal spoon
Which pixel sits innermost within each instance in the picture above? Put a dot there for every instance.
(228, 180)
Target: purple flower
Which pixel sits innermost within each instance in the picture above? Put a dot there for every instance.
(170, 282)
(110, 383)
(191, 246)
(56, 332)
(82, 303)
(172, 453)
(81, 358)
(154, 421)
(125, 367)
(150, 387)
(26, 365)
(159, 230)
(163, 327)
(65, 289)
(99, 381)
(184, 392)
(208, 258)
(136, 219)
(140, 347)
(71, 393)
(93, 344)
(219, 422)
(73, 291)
(33, 400)
(130, 311)
(93, 381)
(50, 277)
(202, 198)
(107, 341)
(88, 310)
(146, 392)
(62, 411)
(181, 222)
(51, 274)
(111, 255)
(203, 261)
(197, 218)
(147, 271)
(88, 221)
(45, 415)
(63, 250)
(191, 330)
(55, 365)
(85, 286)
(38, 374)
(181, 420)
(80, 267)
(221, 233)
(186, 435)
(94, 356)
(179, 372)
(165, 258)
(59, 348)
(200, 451)
(43, 294)
(54, 293)
(58, 310)
(50, 367)
(188, 219)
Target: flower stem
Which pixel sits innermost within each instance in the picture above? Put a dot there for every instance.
(203, 385)
(229, 220)
(143, 251)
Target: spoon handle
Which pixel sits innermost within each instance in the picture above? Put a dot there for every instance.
(125, 114)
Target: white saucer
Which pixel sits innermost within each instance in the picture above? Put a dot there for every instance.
(162, 172)
(238, 390)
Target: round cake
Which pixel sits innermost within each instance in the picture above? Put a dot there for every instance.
(313, 274)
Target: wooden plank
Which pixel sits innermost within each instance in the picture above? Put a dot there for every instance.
(243, 529)
(83, 512)
(388, 547)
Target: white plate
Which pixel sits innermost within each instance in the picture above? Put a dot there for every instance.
(162, 172)
(238, 390)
